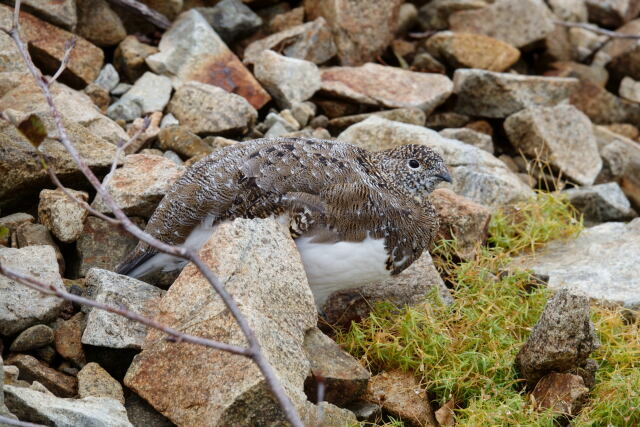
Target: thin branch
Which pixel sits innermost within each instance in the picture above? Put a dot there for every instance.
(123, 146)
(68, 47)
(121, 311)
(597, 30)
(11, 422)
(254, 346)
(153, 16)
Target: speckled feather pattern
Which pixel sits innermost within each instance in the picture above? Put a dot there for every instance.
(331, 190)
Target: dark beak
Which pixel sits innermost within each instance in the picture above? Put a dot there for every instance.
(445, 176)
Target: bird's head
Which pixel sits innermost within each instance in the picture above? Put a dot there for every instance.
(416, 168)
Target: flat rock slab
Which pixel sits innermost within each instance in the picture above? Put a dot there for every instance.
(258, 264)
(106, 329)
(518, 22)
(191, 50)
(48, 43)
(140, 184)
(20, 306)
(37, 407)
(149, 93)
(600, 263)
(554, 135)
(477, 174)
(498, 95)
(386, 86)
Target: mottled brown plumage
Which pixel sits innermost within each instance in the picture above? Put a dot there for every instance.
(331, 191)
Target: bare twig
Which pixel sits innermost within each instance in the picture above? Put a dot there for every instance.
(254, 351)
(597, 30)
(62, 293)
(122, 146)
(11, 422)
(153, 16)
(68, 47)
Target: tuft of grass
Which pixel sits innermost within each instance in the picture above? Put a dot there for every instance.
(466, 350)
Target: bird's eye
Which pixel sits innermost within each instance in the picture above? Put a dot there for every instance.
(413, 163)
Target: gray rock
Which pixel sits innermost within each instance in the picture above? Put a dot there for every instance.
(344, 379)
(584, 43)
(498, 95)
(4, 411)
(35, 406)
(470, 136)
(37, 235)
(121, 89)
(630, 89)
(601, 203)
(150, 93)
(102, 245)
(386, 86)
(562, 340)
(621, 162)
(408, 288)
(311, 41)
(231, 19)
(106, 329)
(206, 109)
(517, 22)
(303, 112)
(192, 51)
(61, 215)
(257, 262)
(141, 414)
(93, 380)
(140, 184)
(554, 135)
(31, 338)
(477, 174)
(20, 306)
(288, 80)
(600, 263)
(169, 120)
(13, 221)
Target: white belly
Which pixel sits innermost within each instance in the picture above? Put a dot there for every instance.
(334, 266)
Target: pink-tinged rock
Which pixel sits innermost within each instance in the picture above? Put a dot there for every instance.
(140, 184)
(386, 86)
(47, 46)
(462, 219)
(561, 393)
(361, 29)
(517, 22)
(191, 50)
(602, 106)
(311, 41)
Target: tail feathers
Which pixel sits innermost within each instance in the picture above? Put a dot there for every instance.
(134, 260)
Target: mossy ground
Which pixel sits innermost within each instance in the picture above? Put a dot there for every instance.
(466, 351)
